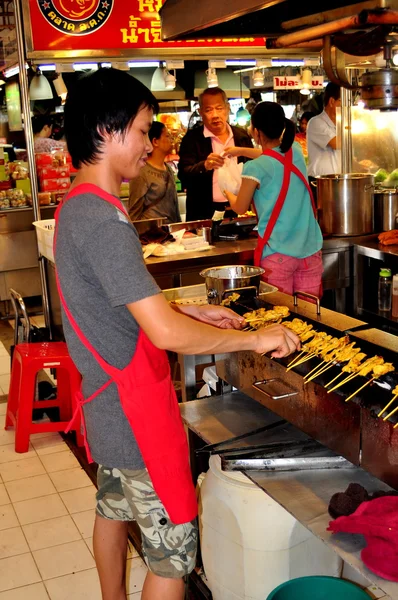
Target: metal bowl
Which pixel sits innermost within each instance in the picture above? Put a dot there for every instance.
(221, 280)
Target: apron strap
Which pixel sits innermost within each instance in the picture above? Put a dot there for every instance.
(297, 172)
(289, 168)
(86, 188)
(287, 171)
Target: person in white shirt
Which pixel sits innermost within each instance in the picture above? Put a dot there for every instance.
(324, 156)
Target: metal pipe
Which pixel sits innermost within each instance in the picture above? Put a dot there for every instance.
(25, 99)
(366, 17)
(312, 33)
(388, 17)
(346, 140)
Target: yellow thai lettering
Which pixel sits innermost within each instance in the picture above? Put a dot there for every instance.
(129, 37)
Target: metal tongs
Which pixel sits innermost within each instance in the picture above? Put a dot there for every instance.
(219, 447)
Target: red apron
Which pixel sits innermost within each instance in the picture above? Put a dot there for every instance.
(149, 402)
(289, 168)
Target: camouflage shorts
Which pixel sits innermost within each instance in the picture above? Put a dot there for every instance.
(126, 495)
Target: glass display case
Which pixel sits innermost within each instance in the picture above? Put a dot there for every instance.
(373, 143)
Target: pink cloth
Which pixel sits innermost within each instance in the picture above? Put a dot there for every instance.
(218, 146)
(291, 274)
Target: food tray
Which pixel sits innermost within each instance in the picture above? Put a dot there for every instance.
(196, 294)
(45, 237)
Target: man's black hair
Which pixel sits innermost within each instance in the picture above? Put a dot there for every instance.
(156, 130)
(102, 102)
(307, 115)
(332, 90)
(40, 121)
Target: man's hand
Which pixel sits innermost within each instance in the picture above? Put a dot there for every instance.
(277, 338)
(214, 161)
(218, 316)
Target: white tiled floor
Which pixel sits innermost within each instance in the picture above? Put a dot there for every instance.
(46, 520)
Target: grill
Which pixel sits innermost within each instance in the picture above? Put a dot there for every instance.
(349, 430)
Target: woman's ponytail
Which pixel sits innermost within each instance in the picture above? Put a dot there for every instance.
(288, 136)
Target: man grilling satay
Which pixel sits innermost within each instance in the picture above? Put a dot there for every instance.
(117, 326)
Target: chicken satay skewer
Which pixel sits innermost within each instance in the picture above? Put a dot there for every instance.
(387, 406)
(362, 371)
(361, 388)
(315, 347)
(315, 369)
(331, 364)
(395, 396)
(352, 360)
(302, 361)
(353, 368)
(329, 354)
(333, 358)
(391, 414)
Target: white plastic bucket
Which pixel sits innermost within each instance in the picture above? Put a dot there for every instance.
(249, 543)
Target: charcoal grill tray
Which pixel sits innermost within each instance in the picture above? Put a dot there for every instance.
(373, 397)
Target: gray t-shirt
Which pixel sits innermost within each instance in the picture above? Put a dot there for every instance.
(101, 269)
(153, 194)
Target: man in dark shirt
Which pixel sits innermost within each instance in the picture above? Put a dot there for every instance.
(201, 155)
(153, 193)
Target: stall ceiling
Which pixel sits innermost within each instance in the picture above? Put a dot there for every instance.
(227, 80)
(183, 18)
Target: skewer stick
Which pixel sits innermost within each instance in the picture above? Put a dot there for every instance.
(319, 372)
(303, 360)
(315, 369)
(388, 405)
(361, 388)
(334, 379)
(390, 414)
(346, 380)
(296, 358)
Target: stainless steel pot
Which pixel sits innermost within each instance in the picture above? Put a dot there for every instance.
(220, 280)
(386, 209)
(346, 204)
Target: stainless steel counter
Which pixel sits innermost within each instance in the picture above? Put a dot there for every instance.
(304, 494)
(183, 269)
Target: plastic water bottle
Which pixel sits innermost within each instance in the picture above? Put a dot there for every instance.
(385, 289)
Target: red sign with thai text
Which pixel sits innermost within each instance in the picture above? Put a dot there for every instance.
(109, 24)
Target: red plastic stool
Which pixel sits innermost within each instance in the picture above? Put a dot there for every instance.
(27, 361)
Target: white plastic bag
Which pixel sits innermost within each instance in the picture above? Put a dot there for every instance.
(230, 176)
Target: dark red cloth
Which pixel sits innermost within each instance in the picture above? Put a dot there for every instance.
(377, 520)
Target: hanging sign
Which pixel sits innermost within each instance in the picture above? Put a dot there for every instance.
(293, 82)
(57, 25)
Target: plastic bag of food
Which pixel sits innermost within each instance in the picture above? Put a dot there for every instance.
(230, 176)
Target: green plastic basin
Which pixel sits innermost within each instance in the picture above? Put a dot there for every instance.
(318, 588)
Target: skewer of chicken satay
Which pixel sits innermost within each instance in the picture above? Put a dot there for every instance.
(362, 371)
(316, 348)
(395, 396)
(351, 367)
(304, 331)
(328, 354)
(390, 415)
(353, 356)
(356, 372)
(378, 371)
(331, 358)
(308, 348)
